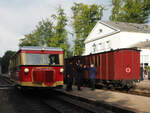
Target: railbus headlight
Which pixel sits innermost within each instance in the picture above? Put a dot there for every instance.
(61, 70)
(26, 70)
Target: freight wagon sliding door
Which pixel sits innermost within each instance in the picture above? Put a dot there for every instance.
(107, 66)
(127, 62)
(103, 69)
(118, 65)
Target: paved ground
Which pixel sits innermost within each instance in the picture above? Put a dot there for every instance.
(145, 84)
(138, 103)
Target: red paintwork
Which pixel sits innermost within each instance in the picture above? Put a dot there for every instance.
(114, 64)
(23, 77)
(28, 77)
(127, 59)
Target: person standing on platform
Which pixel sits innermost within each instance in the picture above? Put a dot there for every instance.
(79, 75)
(69, 77)
(92, 75)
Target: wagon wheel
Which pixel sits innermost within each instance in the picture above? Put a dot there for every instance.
(130, 84)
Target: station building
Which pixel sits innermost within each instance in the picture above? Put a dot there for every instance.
(106, 36)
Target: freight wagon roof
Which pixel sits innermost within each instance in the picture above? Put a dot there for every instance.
(40, 48)
(135, 49)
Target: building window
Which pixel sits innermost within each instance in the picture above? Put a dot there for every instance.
(108, 44)
(141, 59)
(146, 58)
(94, 47)
(100, 30)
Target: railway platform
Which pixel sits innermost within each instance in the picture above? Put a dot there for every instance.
(115, 101)
(143, 85)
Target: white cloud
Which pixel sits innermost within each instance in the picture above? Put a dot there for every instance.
(8, 40)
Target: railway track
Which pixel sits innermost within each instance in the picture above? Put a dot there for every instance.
(5, 83)
(26, 103)
(65, 104)
(62, 103)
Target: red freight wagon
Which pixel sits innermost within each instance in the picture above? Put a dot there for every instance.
(34, 66)
(119, 67)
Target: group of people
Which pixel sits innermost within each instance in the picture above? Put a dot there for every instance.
(79, 69)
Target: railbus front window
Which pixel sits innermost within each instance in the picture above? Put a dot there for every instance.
(53, 59)
(42, 59)
(34, 59)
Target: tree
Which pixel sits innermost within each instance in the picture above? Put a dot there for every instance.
(133, 11)
(116, 8)
(60, 36)
(48, 34)
(5, 61)
(84, 19)
(40, 36)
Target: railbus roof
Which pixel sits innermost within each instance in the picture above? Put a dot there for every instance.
(40, 48)
(36, 48)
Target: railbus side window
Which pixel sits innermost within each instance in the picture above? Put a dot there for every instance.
(10, 63)
(19, 59)
(15, 61)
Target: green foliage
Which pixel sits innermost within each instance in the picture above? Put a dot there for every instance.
(84, 19)
(40, 36)
(133, 11)
(116, 8)
(60, 36)
(47, 34)
(147, 68)
(5, 61)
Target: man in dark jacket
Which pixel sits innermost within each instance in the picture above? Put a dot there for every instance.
(79, 75)
(92, 75)
(69, 76)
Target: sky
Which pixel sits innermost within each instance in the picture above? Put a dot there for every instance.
(19, 17)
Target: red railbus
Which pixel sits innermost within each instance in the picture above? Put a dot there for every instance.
(34, 66)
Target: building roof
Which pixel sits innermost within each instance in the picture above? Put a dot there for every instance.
(142, 44)
(130, 27)
(116, 27)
